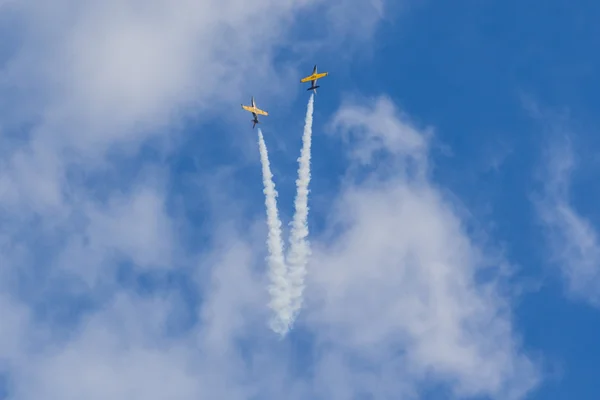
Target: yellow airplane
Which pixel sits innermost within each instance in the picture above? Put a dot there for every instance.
(313, 79)
(255, 111)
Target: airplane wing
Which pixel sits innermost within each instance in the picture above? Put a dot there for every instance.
(314, 77)
(307, 79)
(255, 110)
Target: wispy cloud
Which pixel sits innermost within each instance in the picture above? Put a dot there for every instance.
(381, 131)
(397, 288)
(572, 238)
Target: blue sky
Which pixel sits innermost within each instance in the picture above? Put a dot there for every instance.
(453, 227)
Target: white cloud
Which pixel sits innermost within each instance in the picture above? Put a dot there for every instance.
(380, 130)
(572, 238)
(392, 305)
(392, 299)
(132, 227)
(115, 355)
(400, 278)
(114, 71)
(88, 75)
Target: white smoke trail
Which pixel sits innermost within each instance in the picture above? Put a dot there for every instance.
(299, 246)
(280, 295)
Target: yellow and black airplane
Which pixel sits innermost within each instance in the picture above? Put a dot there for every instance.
(313, 79)
(255, 111)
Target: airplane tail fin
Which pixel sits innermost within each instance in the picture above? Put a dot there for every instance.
(254, 122)
(313, 88)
